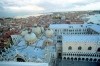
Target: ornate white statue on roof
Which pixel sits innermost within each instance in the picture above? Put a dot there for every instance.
(42, 29)
(36, 29)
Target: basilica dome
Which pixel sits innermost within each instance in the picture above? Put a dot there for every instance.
(30, 38)
(24, 32)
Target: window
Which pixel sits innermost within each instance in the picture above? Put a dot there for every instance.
(59, 41)
(95, 59)
(79, 48)
(64, 54)
(98, 50)
(89, 48)
(98, 60)
(87, 59)
(64, 58)
(69, 48)
(82, 58)
(56, 30)
(81, 25)
(64, 29)
(59, 37)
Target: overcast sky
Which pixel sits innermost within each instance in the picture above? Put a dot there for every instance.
(30, 7)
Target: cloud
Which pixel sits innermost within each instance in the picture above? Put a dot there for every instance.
(19, 2)
(68, 2)
(91, 6)
(27, 7)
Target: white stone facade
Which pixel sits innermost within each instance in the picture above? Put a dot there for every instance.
(80, 42)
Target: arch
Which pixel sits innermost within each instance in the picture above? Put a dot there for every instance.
(77, 54)
(59, 54)
(20, 60)
(98, 60)
(83, 59)
(69, 48)
(79, 59)
(68, 58)
(88, 54)
(98, 50)
(71, 58)
(64, 58)
(75, 58)
(95, 60)
(90, 59)
(83, 54)
(73, 54)
(92, 54)
(87, 59)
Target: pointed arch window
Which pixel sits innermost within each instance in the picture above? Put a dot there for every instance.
(69, 48)
(79, 48)
(90, 48)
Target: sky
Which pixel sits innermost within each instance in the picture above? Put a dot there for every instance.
(14, 8)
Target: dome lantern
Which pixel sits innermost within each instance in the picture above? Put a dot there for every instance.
(36, 30)
(49, 32)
